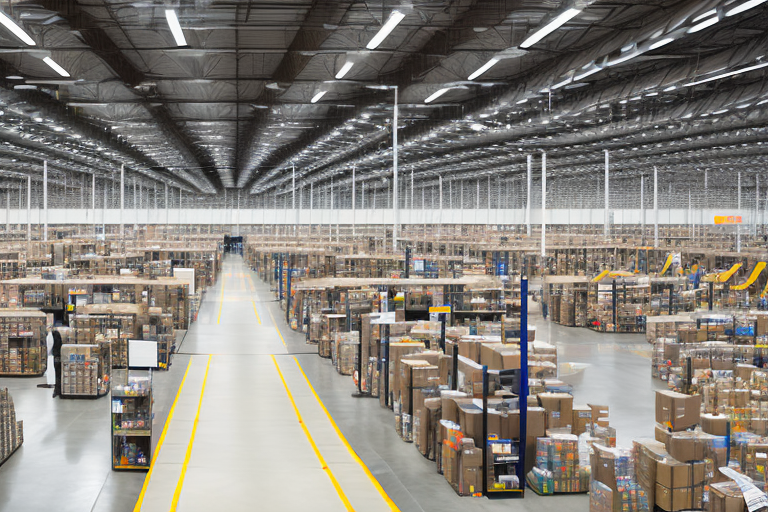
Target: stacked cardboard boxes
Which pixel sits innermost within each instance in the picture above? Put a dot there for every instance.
(11, 431)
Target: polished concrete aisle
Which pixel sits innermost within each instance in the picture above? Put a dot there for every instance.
(247, 431)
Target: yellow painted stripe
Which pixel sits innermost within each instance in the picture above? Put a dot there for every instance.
(221, 301)
(255, 311)
(160, 441)
(319, 455)
(276, 328)
(351, 451)
(180, 483)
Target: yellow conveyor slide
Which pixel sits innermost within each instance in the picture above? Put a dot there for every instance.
(723, 277)
(752, 277)
(667, 264)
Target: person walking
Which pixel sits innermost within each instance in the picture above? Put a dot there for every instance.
(50, 372)
(56, 351)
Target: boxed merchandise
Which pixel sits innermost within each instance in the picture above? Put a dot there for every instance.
(676, 410)
(715, 424)
(600, 497)
(673, 500)
(471, 470)
(559, 408)
(499, 357)
(726, 497)
(687, 446)
(674, 474)
(647, 453)
(582, 418)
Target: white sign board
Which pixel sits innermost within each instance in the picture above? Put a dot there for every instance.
(385, 318)
(142, 354)
(188, 275)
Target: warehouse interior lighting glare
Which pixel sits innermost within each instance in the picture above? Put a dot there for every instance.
(660, 43)
(17, 30)
(432, 97)
(54, 66)
(485, 67)
(703, 15)
(703, 25)
(744, 7)
(344, 70)
(173, 23)
(550, 27)
(317, 97)
(729, 74)
(394, 19)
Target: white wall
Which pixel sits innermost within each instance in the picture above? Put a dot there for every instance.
(372, 217)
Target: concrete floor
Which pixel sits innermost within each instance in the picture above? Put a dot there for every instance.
(248, 446)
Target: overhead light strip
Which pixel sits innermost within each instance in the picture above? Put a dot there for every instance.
(173, 24)
(344, 70)
(54, 66)
(485, 67)
(394, 19)
(317, 96)
(703, 25)
(17, 30)
(660, 43)
(436, 95)
(744, 7)
(704, 15)
(729, 74)
(550, 27)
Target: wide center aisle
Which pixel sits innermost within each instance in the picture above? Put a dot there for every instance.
(247, 430)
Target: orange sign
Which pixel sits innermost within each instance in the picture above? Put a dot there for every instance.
(727, 219)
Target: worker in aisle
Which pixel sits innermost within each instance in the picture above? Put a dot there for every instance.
(57, 361)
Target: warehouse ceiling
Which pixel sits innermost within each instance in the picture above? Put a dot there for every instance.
(254, 89)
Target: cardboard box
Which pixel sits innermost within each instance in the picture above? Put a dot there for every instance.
(674, 475)
(470, 349)
(471, 471)
(715, 424)
(582, 417)
(676, 410)
(687, 446)
(499, 357)
(559, 408)
(673, 500)
(726, 497)
(647, 454)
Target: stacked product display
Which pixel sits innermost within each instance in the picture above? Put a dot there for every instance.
(131, 395)
(22, 343)
(11, 430)
(85, 370)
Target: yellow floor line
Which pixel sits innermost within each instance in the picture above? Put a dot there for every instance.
(180, 483)
(255, 311)
(160, 441)
(324, 465)
(352, 452)
(221, 302)
(276, 328)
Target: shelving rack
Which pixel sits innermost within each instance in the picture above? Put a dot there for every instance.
(23, 351)
(131, 425)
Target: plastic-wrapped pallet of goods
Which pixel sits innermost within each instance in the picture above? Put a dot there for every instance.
(11, 430)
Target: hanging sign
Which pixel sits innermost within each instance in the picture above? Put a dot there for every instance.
(727, 219)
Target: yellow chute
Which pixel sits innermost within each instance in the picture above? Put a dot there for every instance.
(667, 264)
(723, 277)
(752, 277)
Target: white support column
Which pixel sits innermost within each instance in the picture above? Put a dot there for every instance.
(642, 206)
(440, 219)
(354, 200)
(104, 211)
(29, 208)
(237, 225)
(655, 207)
(93, 203)
(167, 218)
(330, 214)
(477, 198)
(395, 206)
(450, 195)
(8, 210)
(690, 213)
(528, 196)
(411, 187)
(738, 226)
(122, 199)
(136, 206)
(757, 203)
(543, 207)
(45, 199)
(488, 200)
(606, 227)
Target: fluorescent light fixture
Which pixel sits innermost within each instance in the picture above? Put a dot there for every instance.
(54, 66)
(704, 15)
(550, 27)
(703, 25)
(650, 94)
(173, 24)
(17, 30)
(762, 102)
(432, 97)
(485, 67)
(623, 58)
(561, 84)
(586, 74)
(670, 88)
(317, 96)
(344, 70)
(726, 75)
(661, 42)
(520, 102)
(723, 111)
(744, 7)
(394, 19)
